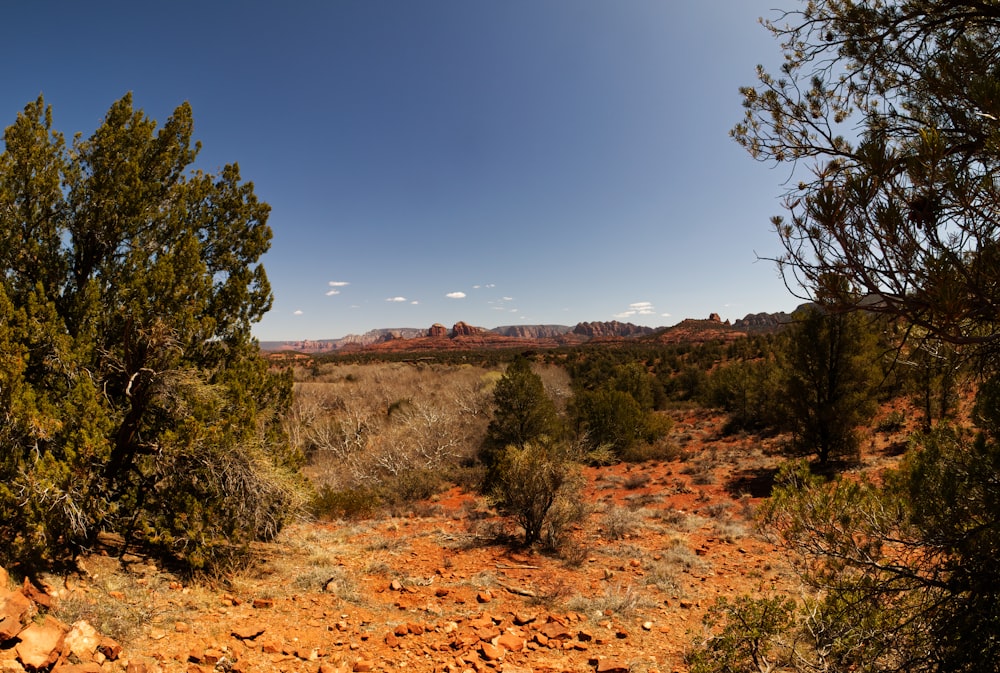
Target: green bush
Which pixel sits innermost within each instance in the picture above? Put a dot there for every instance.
(530, 479)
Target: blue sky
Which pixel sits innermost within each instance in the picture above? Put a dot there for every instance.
(503, 162)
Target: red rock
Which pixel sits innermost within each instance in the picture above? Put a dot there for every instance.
(36, 594)
(556, 631)
(391, 640)
(484, 597)
(109, 648)
(490, 651)
(510, 641)
(213, 656)
(611, 666)
(15, 611)
(401, 630)
(41, 644)
(86, 667)
(363, 665)
(523, 618)
(263, 603)
(248, 631)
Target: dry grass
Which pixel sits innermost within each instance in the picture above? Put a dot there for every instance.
(118, 603)
(392, 430)
(621, 600)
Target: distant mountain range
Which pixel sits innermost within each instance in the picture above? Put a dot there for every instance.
(463, 335)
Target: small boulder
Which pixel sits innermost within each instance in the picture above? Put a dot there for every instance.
(41, 644)
(82, 640)
(15, 612)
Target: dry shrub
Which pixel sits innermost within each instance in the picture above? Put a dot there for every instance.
(396, 430)
(636, 480)
(622, 600)
(619, 523)
(355, 503)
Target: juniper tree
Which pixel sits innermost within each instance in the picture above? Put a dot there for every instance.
(135, 399)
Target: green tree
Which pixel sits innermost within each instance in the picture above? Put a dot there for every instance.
(139, 403)
(831, 375)
(610, 418)
(522, 413)
(890, 112)
(751, 392)
(902, 568)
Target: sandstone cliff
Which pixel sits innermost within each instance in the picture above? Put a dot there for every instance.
(603, 330)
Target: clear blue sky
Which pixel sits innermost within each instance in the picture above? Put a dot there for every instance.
(497, 162)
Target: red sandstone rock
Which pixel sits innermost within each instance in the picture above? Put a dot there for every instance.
(15, 612)
(41, 644)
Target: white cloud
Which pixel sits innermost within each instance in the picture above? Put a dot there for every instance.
(508, 298)
(338, 283)
(296, 312)
(665, 315)
(414, 303)
(396, 300)
(330, 293)
(637, 308)
(455, 295)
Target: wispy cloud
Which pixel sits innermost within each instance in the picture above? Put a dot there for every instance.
(414, 303)
(637, 308)
(338, 283)
(296, 312)
(330, 293)
(396, 300)
(455, 295)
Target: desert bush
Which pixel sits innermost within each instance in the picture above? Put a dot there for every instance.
(621, 600)
(568, 508)
(529, 480)
(619, 522)
(522, 413)
(744, 636)
(636, 480)
(352, 503)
